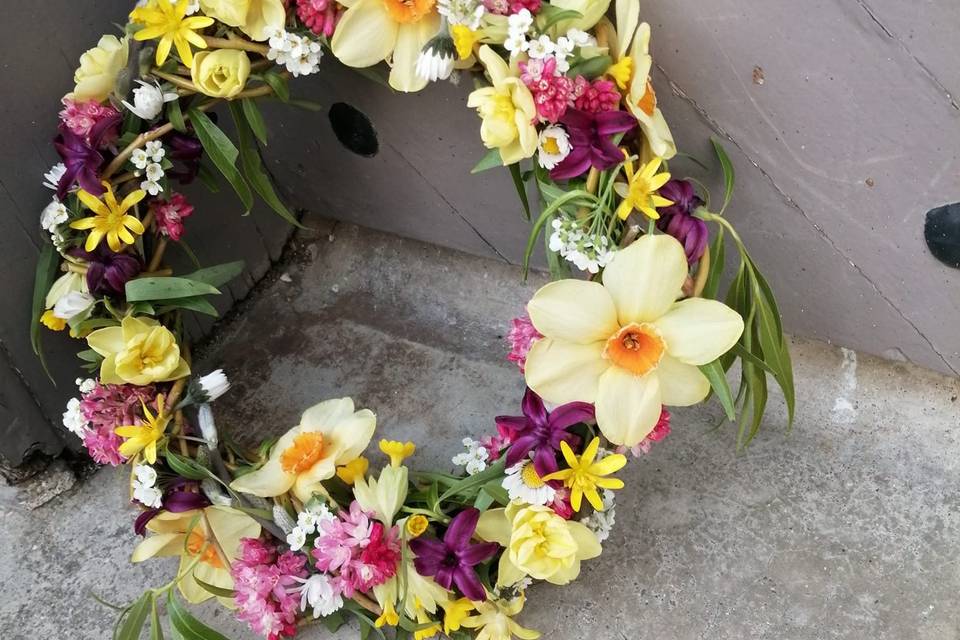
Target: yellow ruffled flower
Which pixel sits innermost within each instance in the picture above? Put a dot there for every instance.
(140, 351)
(584, 475)
(388, 617)
(110, 218)
(454, 613)
(52, 322)
(637, 349)
(507, 109)
(144, 437)
(330, 434)
(494, 620)
(539, 543)
(398, 451)
(167, 21)
(96, 77)
(416, 525)
(621, 71)
(424, 618)
(640, 190)
(222, 73)
(353, 470)
(256, 18)
(464, 39)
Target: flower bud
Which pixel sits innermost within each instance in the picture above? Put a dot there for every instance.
(222, 73)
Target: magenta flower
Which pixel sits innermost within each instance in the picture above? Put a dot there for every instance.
(169, 214)
(81, 156)
(452, 560)
(266, 584)
(510, 7)
(551, 91)
(540, 432)
(321, 16)
(594, 97)
(82, 117)
(590, 136)
(677, 219)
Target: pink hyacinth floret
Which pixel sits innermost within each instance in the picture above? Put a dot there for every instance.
(362, 550)
(561, 503)
(103, 445)
(106, 407)
(595, 97)
(169, 215)
(81, 117)
(510, 7)
(521, 337)
(661, 431)
(266, 586)
(320, 16)
(551, 90)
(494, 445)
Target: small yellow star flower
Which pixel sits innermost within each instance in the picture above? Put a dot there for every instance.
(640, 189)
(621, 72)
(584, 475)
(423, 619)
(144, 437)
(388, 617)
(352, 470)
(168, 21)
(455, 612)
(416, 525)
(52, 322)
(110, 219)
(398, 451)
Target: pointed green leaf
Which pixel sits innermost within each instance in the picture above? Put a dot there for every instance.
(729, 174)
(255, 119)
(217, 275)
(175, 116)
(186, 625)
(156, 629)
(721, 388)
(490, 160)
(46, 271)
(222, 153)
(135, 617)
(220, 592)
(279, 84)
(166, 288)
(521, 188)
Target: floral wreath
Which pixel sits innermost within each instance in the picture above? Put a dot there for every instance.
(301, 529)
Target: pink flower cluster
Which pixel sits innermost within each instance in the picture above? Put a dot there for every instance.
(265, 584)
(169, 214)
(521, 337)
(561, 501)
(81, 117)
(595, 97)
(362, 550)
(552, 91)
(321, 16)
(510, 7)
(107, 407)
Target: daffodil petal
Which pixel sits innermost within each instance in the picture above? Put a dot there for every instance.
(229, 526)
(308, 482)
(564, 372)
(107, 340)
(494, 526)
(628, 406)
(574, 311)
(365, 35)
(646, 278)
(270, 480)
(698, 331)
(159, 545)
(354, 434)
(325, 416)
(681, 385)
(410, 40)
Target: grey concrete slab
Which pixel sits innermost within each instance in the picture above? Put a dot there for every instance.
(846, 528)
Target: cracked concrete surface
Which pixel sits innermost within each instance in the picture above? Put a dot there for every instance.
(847, 528)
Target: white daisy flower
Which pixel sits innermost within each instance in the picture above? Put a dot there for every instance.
(436, 59)
(523, 483)
(553, 146)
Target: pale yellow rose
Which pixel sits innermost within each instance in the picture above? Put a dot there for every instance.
(140, 351)
(222, 73)
(99, 67)
(256, 18)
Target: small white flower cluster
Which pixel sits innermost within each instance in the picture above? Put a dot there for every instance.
(147, 160)
(601, 522)
(308, 523)
(542, 47)
(148, 100)
(145, 489)
(55, 213)
(522, 483)
(474, 459)
(464, 12)
(587, 252)
(319, 592)
(73, 418)
(299, 54)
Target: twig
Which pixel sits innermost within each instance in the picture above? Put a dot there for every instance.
(157, 254)
(176, 80)
(236, 43)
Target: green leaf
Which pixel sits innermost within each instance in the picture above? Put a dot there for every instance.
(718, 382)
(253, 169)
(175, 116)
(333, 621)
(167, 288)
(544, 216)
(729, 175)
(217, 275)
(255, 119)
(483, 501)
(222, 153)
(215, 590)
(471, 482)
(521, 188)
(188, 626)
(555, 14)
(279, 85)
(773, 343)
(187, 467)
(591, 67)
(717, 266)
(209, 181)
(490, 160)
(135, 617)
(47, 264)
(156, 629)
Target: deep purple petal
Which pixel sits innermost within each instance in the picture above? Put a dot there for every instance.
(469, 584)
(520, 448)
(545, 461)
(573, 165)
(569, 414)
(428, 548)
(140, 525)
(577, 120)
(533, 408)
(611, 122)
(461, 529)
(511, 426)
(104, 128)
(180, 501)
(474, 554)
(444, 576)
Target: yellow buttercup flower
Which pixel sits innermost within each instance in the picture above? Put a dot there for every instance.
(416, 525)
(52, 322)
(330, 434)
(110, 218)
(96, 77)
(144, 437)
(256, 18)
(637, 349)
(495, 621)
(353, 470)
(222, 73)
(455, 612)
(621, 71)
(168, 21)
(423, 618)
(398, 451)
(507, 109)
(464, 38)
(584, 475)
(640, 189)
(388, 617)
(140, 351)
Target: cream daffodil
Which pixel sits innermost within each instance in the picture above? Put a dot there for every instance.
(330, 434)
(207, 541)
(627, 345)
(383, 496)
(507, 109)
(140, 351)
(256, 18)
(371, 31)
(421, 592)
(640, 190)
(494, 620)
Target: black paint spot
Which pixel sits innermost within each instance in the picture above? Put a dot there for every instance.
(942, 233)
(353, 129)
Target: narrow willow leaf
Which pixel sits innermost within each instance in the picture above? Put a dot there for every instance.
(489, 161)
(156, 629)
(223, 153)
(188, 626)
(135, 617)
(555, 15)
(472, 482)
(591, 67)
(521, 188)
(279, 84)
(255, 119)
(215, 590)
(717, 265)
(167, 288)
(46, 270)
(197, 304)
(483, 501)
(729, 176)
(175, 116)
(208, 180)
(774, 345)
(187, 467)
(715, 373)
(217, 275)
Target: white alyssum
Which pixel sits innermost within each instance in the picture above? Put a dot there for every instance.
(523, 483)
(155, 151)
(51, 178)
(148, 100)
(474, 459)
(214, 384)
(73, 418)
(299, 54)
(86, 385)
(587, 252)
(154, 174)
(145, 490)
(73, 304)
(553, 146)
(468, 13)
(541, 47)
(601, 522)
(296, 539)
(319, 593)
(53, 215)
(518, 25)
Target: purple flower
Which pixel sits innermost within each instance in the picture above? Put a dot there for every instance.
(82, 159)
(109, 272)
(180, 496)
(541, 432)
(590, 137)
(677, 219)
(185, 153)
(451, 560)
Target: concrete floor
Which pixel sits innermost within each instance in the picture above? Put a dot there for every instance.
(846, 528)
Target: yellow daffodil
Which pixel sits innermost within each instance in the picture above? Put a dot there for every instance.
(371, 31)
(507, 110)
(539, 543)
(52, 322)
(423, 618)
(454, 613)
(464, 39)
(640, 189)
(330, 434)
(416, 525)
(383, 496)
(168, 21)
(140, 351)
(353, 470)
(222, 73)
(256, 18)
(584, 475)
(110, 219)
(621, 72)
(207, 541)
(144, 437)
(96, 77)
(627, 345)
(388, 617)
(398, 451)
(494, 621)
(420, 592)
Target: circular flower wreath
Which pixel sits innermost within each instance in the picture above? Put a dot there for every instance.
(301, 528)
